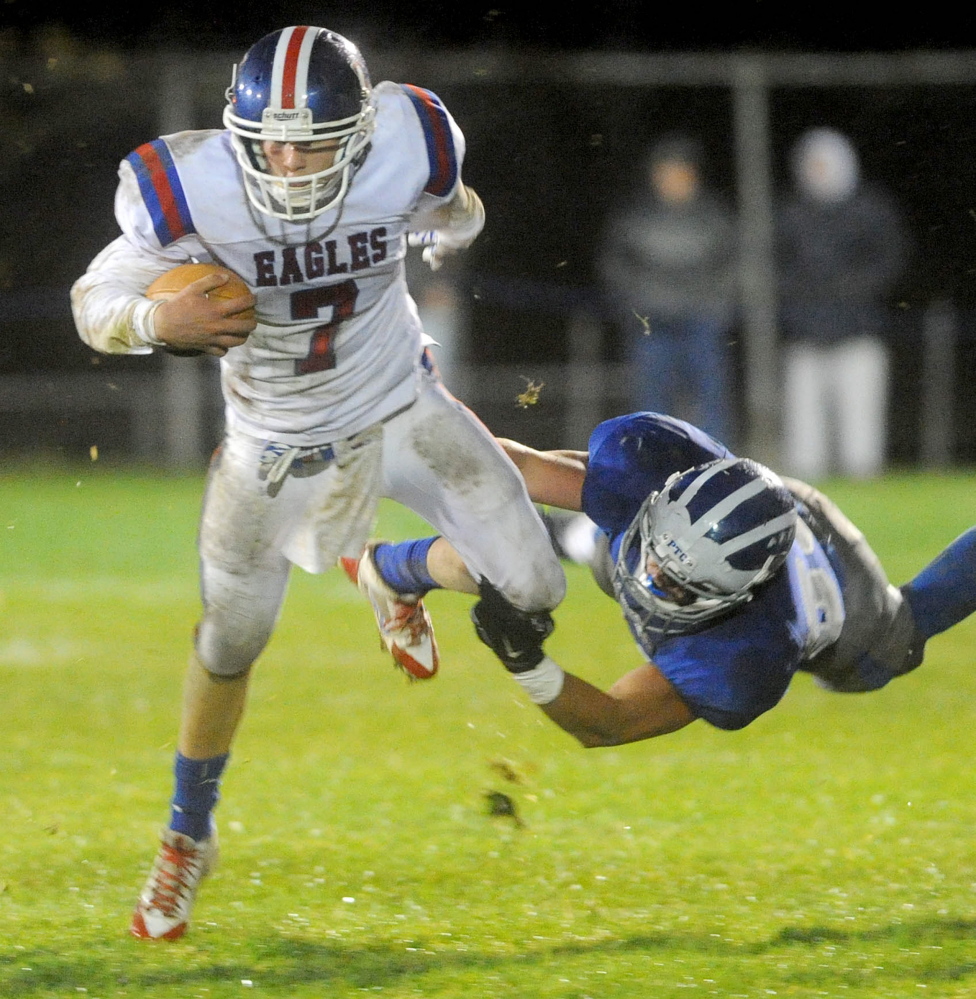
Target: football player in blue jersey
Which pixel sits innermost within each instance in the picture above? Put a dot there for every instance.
(730, 578)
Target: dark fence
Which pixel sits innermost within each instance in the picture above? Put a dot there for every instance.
(552, 140)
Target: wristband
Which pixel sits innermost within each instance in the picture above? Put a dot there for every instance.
(144, 321)
(542, 683)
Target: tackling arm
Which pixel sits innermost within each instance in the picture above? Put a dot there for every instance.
(642, 704)
(552, 477)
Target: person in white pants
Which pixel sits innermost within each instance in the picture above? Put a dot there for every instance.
(841, 248)
(837, 407)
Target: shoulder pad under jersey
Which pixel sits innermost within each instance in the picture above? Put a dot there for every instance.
(439, 137)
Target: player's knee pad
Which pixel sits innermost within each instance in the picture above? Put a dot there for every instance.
(225, 673)
(228, 653)
(913, 641)
(540, 597)
(226, 669)
(225, 663)
(537, 584)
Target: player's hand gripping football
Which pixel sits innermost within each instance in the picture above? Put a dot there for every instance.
(463, 219)
(192, 321)
(514, 635)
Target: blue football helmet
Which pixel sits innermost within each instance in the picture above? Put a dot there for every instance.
(716, 531)
(300, 85)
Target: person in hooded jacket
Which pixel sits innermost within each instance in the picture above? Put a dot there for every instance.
(841, 248)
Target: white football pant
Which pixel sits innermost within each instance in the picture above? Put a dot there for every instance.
(835, 402)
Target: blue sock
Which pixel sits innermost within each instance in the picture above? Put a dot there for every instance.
(197, 791)
(944, 592)
(404, 566)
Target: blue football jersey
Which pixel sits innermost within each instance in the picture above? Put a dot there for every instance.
(736, 667)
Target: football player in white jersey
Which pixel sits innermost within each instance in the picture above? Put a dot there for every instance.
(309, 193)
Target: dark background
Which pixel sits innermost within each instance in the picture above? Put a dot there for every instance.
(634, 25)
(530, 151)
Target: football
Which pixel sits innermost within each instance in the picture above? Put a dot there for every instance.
(168, 284)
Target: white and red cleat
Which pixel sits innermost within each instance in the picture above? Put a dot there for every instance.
(163, 909)
(404, 623)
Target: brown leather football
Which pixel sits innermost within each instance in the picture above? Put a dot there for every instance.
(168, 284)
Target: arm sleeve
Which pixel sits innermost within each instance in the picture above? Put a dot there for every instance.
(111, 313)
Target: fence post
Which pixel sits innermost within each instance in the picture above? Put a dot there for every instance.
(939, 335)
(586, 381)
(757, 262)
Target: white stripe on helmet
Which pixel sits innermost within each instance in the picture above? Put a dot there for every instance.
(283, 67)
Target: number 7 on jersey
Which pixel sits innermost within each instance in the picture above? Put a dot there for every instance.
(306, 304)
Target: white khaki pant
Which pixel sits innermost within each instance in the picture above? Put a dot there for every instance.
(436, 458)
(836, 399)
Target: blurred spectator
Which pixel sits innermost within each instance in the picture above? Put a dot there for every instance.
(668, 265)
(841, 247)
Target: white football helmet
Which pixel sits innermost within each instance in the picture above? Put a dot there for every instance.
(717, 530)
(301, 85)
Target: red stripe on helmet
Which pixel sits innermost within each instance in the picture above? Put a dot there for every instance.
(289, 74)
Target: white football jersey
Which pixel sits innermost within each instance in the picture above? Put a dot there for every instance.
(338, 344)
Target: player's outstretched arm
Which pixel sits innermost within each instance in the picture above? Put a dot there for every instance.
(640, 705)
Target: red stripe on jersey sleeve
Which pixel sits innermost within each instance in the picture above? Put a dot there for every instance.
(164, 190)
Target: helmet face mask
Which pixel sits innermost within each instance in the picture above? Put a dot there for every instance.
(305, 86)
(716, 532)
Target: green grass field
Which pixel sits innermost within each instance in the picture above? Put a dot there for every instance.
(827, 850)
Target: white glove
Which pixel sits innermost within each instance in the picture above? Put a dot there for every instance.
(464, 219)
(437, 246)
